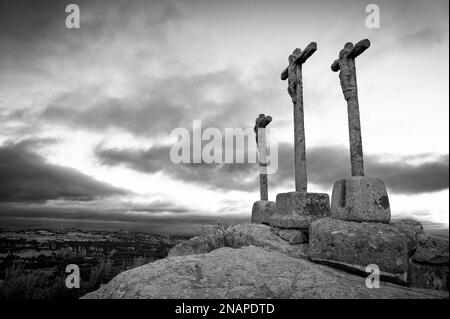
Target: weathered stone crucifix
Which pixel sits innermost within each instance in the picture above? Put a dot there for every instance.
(296, 210)
(260, 129)
(294, 75)
(358, 198)
(262, 209)
(346, 65)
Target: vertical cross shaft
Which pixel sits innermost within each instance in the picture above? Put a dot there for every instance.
(355, 138)
(347, 75)
(301, 181)
(294, 75)
(263, 183)
(260, 129)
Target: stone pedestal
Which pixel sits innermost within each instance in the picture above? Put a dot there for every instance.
(261, 211)
(298, 210)
(360, 199)
(353, 246)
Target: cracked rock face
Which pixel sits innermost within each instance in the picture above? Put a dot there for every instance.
(248, 272)
(293, 236)
(412, 229)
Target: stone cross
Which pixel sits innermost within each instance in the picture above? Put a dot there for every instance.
(260, 129)
(347, 75)
(294, 75)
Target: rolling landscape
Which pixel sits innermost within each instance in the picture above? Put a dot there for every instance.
(33, 261)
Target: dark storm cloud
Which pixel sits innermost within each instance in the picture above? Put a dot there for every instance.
(33, 32)
(38, 43)
(99, 215)
(25, 176)
(325, 166)
(30, 20)
(158, 106)
(408, 178)
(186, 223)
(35, 24)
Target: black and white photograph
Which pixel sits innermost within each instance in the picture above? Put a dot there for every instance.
(230, 151)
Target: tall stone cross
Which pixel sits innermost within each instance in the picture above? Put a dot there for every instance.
(346, 65)
(260, 129)
(294, 75)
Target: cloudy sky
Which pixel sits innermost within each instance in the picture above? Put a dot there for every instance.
(86, 114)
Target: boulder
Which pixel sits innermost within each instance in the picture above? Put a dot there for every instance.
(431, 250)
(412, 229)
(247, 272)
(428, 265)
(293, 236)
(353, 246)
(298, 210)
(360, 199)
(261, 211)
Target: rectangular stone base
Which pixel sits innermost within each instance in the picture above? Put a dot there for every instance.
(298, 210)
(354, 246)
(360, 199)
(261, 211)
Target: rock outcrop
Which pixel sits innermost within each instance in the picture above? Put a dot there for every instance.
(412, 229)
(265, 266)
(235, 237)
(248, 272)
(428, 266)
(428, 256)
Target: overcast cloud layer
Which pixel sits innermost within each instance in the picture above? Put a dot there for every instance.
(327, 164)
